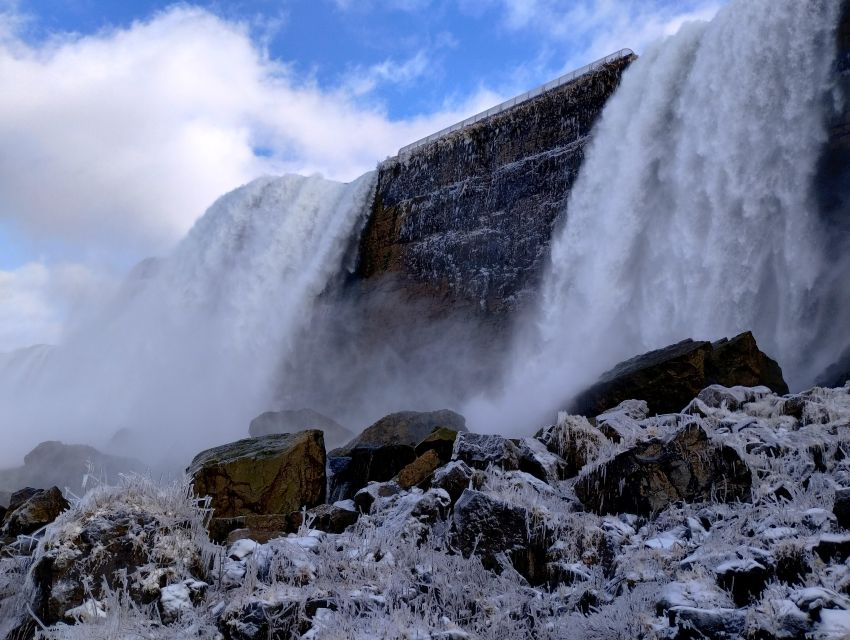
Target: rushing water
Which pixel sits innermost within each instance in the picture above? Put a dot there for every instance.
(694, 215)
(189, 350)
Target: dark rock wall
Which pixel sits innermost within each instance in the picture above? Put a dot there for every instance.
(466, 220)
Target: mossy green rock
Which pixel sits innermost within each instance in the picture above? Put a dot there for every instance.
(271, 474)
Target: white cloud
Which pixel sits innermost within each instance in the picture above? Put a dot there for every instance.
(361, 81)
(595, 28)
(114, 144)
(37, 301)
(123, 138)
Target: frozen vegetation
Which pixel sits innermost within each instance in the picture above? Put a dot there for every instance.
(514, 556)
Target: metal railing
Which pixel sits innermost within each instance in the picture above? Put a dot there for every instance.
(528, 95)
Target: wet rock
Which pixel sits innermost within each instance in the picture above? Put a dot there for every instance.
(669, 378)
(441, 440)
(408, 428)
(292, 421)
(274, 474)
(385, 448)
(31, 510)
(684, 465)
(490, 527)
(575, 441)
(419, 470)
(481, 451)
(453, 478)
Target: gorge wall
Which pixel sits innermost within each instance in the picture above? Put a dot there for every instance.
(466, 220)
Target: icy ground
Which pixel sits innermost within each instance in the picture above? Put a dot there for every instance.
(773, 568)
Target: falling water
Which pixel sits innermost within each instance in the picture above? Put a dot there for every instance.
(694, 215)
(187, 353)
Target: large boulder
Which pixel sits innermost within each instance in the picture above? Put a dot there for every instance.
(685, 465)
(495, 529)
(268, 475)
(31, 509)
(388, 446)
(669, 378)
(292, 421)
(54, 463)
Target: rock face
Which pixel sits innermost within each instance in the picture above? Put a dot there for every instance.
(667, 379)
(267, 475)
(292, 421)
(407, 428)
(656, 473)
(467, 219)
(65, 465)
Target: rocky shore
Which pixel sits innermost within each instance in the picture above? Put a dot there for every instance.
(726, 517)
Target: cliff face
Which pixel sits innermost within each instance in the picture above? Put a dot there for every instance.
(466, 220)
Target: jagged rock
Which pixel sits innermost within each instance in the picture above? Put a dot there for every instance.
(441, 440)
(274, 474)
(489, 527)
(331, 518)
(669, 378)
(100, 547)
(453, 478)
(682, 466)
(365, 498)
(623, 421)
(32, 509)
(419, 470)
(292, 421)
(536, 460)
(385, 448)
(481, 451)
(745, 580)
(575, 441)
(716, 396)
(54, 463)
(405, 428)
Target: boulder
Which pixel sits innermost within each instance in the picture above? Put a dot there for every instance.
(480, 451)
(684, 465)
(669, 378)
(274, 474)
(292, 421)
(419, 470)
(493, 528)
(453, 478)
(54, 463)
(441, 440)
(575, 441)
(408, 428)
(39, 507)
(385, 448)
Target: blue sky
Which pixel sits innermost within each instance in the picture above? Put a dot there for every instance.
(122, 121)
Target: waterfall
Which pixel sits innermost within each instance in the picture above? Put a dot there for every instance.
(694, 213)
(189, 351)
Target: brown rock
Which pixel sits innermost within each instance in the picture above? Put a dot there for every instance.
(420, 469)
(669, 378)
(441, 440)
(683, 466)
(274, 474)
(39, 509)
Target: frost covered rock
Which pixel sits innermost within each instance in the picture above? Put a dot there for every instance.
(717, 396)
(454, 478)
(622, 423)
(841, 508)
(274, 474)
(499, 532)
(39, 508)
(744, 579)
(653, 474)
(575, 441)
(481, 451)
(365, 498)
